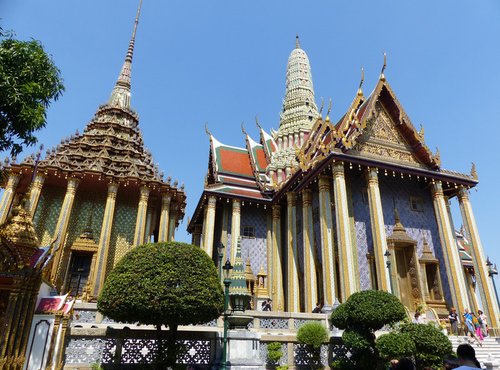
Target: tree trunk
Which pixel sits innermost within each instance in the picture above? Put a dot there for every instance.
(159, 355)
(172, 348)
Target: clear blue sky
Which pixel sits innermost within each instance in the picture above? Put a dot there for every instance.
(223, 62)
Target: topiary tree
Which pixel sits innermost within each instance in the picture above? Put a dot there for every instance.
(159, 284)
(431, 345)
(313, 334)
(274, 353)
(360, 316)
(395, 345)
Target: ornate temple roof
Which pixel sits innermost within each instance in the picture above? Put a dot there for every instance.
(111, 146)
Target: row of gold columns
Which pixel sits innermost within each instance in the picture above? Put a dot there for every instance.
(483, 281)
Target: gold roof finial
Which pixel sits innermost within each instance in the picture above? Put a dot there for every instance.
(322, 106)
(243, 128)
(360, 91)
(473, 171)
(257, 121)
(329, 109)
(297, 42)
(206, 129)
(421, 133)
(382, 76)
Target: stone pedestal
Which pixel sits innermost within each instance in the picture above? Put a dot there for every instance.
(244, 350)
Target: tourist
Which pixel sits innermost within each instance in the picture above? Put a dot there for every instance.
(483, 322)
(450, 362)
(405, 364)
(417, 318)
(453, 318)
(470, 327)
(266, 305)
(477, 326)
(467, 357)
(317, 309)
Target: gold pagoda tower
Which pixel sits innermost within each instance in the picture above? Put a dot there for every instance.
(97, 194)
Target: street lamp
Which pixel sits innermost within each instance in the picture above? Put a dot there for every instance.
(227, 282)
(220, 251)
(492, 271)
(387, 255)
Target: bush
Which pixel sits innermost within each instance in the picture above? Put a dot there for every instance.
(360, 316)
(431, 345)
(274, 352)
(312, 335)
(394, 346)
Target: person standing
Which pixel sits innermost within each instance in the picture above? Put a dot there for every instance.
(467, 358)
(470, 326)
(483, 321)
(317, 309)
(453, 318)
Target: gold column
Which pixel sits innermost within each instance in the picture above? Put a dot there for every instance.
(164, 217)
(203, 228)
(225, 230)
(58, 269)
(454, 268)
(35, 191)
(293, 304)
(277, 262)
(347, 266)
(142, 209)
(172, 223)
(486, 291)
(378, 230)
(235, 228)
(196, 239)
(209, 224)
(103, 249)
(8, 196)
(310, 283)
(269, 250)
(327, 250)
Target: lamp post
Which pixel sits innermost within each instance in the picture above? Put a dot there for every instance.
(220, 251)
(387, 255)
(227, 282)
(492, 271)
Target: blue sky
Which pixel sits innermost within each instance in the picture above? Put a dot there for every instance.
(223, 62)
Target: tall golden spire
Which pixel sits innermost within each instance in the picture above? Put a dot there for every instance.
(120, 96)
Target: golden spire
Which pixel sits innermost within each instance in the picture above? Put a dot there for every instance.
(360, 91)
(120, 96)
(382, 76)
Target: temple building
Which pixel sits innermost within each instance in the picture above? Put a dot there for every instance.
(324, 209)
(97, 194)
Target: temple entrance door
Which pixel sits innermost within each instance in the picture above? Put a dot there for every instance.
(79, 272)
(403, 257)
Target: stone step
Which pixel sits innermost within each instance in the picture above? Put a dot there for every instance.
(487, 353)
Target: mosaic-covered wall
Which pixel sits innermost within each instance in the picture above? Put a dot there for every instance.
(254, 248)
(47, 213)
(122, 234)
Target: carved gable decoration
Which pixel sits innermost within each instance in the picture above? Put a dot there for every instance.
(383, 140)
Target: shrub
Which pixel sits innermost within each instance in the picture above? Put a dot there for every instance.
(431, 345)
(360, 316)
(274, 352)
(312, 335)
(394, 346)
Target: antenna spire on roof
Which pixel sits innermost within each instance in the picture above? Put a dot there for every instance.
(297, 42)
(382, 76)
(121, 92)
(360, 91)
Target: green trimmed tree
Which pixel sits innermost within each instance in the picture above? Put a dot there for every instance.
(29, 82)
(312, 335)
(431, 345)
(395, 345)
(167, 284)
(360, 316)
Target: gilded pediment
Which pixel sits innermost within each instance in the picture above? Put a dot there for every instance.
(382, 139)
